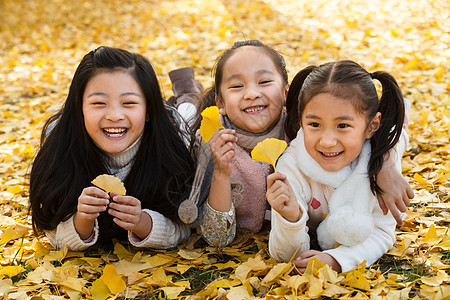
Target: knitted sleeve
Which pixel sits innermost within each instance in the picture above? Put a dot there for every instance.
(66, 234)
(218, 228)
(165, 233)
(286, 237)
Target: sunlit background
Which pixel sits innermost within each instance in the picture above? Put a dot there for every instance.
(42, 42)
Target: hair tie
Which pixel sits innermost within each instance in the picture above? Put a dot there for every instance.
(371, 75)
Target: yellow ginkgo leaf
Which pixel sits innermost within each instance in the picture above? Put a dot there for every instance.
(269, 150)
(186, 254)
(99, 290)
(113, 280)
(121, 251)
(109, 183)
(172, 292)
(356, 279)
(8, 234)
(420, 179)
(11, 271)
(277, 272)
(431, 236)
(210, 122)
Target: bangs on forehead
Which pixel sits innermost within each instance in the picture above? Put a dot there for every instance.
(348, 92)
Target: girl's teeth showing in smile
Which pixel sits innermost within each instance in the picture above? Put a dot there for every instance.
(115, 132)
(330, 154)
(254, 109)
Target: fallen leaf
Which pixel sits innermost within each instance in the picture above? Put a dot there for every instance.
(186, 254)
(172, 292)
(113, 280)
(99, 290)
(11, 271)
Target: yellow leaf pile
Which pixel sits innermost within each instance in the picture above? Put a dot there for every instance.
(42, 42)
(269, 150)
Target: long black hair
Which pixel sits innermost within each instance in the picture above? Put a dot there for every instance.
(68, 159)
(348, 80)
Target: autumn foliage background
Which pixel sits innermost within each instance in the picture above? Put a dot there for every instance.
(42, 42)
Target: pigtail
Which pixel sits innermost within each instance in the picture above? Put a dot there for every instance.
(292, 123)
(392, 110)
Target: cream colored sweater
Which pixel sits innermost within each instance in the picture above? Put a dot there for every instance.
(165, 233)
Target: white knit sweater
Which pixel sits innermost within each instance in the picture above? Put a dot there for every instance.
(164, 234)
(313, 198)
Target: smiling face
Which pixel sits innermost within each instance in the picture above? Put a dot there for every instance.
(334, 131)
(252, 90)
(114, 110)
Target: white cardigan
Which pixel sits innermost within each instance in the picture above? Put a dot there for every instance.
(313, 198)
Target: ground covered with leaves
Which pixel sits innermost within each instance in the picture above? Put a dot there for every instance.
(41, 45)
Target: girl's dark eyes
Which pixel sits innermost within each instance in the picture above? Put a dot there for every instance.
(235, 86)
(98, 103)
(265, 81)
(343, 125)
(314, 124)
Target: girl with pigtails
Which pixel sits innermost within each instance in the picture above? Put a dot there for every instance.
(325, 184)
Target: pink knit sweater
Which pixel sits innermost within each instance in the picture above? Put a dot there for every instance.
(252, 175)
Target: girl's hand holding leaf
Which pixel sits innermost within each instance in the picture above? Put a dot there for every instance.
(128, 214)
(281, 197)
(91, 203)
(222, 149)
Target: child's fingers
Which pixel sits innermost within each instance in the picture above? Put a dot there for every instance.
(222, 138)
(277, 194)
(126, 204)
(90, 209)
(125, 225)
(125, 208)
(123, 215)
(307, 254)
(94, 191)
(221, 145)
(278, 188)
(301, 264)
(396, 213)
(219, 152)
(274, 177)
(127, 221)
(91, 201)
(382, 205)
(224, 135)
(223, 156)
(126, 200)
(409, 194)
